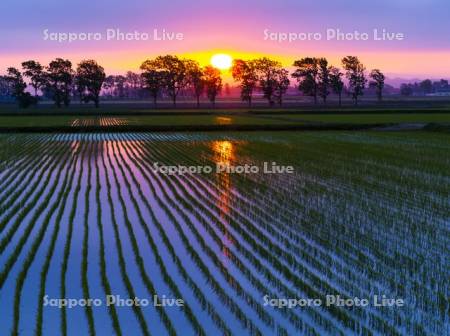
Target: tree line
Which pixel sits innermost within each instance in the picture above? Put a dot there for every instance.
(57, 80)
(314, 76)
(425, 87)
(170, 75)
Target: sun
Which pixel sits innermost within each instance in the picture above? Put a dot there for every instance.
(221, 61)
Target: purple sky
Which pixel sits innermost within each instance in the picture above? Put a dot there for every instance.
(232, 26)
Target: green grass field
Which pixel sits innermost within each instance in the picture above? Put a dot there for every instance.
(217, 120)
(235, 106)
(370, 118)
(158, 120)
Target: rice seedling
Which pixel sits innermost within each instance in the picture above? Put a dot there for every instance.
(364, 214)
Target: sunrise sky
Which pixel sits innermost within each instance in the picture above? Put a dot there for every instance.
(235, 27)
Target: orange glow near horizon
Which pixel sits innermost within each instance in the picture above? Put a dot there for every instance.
(393, 64)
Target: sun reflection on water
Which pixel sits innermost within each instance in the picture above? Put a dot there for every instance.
(223, 120)
(224, 154)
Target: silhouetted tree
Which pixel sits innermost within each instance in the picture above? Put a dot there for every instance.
(59, 80)
(174, 71)
(306, 74)
(213, 82)
(336, 83)
(377, 82)
(6, 90)
(355, 75)
(406, 89)
(244, 72)
(133, 84)
(268, 72)
(426, 86)
(35, 72)
(133, 79)
(18, 86)
(441, 85)
(15, 78)
(195, 77)
(89, 80)
(153, 81)
(323, 77)
(119, 83)
(281, 83)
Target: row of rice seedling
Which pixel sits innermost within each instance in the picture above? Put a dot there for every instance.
(367, 217)
(236, 240)
(59, 202)
(290, 233)
(341, 282)
(122, 263)
(99, 121)
(68, 242)
(394, 245)
(196, 254)
(15, 204)
(51, 247)
(102, 256)
(201, 298)
(85, 251)
(138, 255)
(167, 278)
(284, 243)
(14, 164)
(112, 121)
(15, 150)
(84, 122)
(44, 201)
(341, 195)
(210, 219)
(396, 268)
(183, 216)
(290, 240)
(18, 178)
